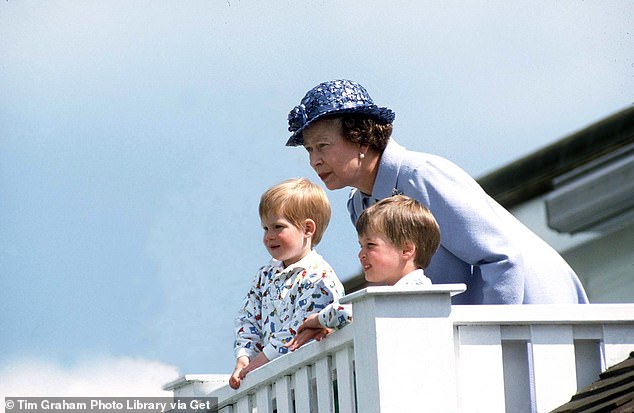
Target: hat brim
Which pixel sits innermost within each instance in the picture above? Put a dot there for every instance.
(381, 114)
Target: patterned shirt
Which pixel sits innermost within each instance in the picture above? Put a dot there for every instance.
(337, 315)
(279, 301)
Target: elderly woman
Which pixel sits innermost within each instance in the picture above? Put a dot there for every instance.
(348, 139)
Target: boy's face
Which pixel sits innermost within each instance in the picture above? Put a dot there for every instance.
(283, 240)
(382, 261)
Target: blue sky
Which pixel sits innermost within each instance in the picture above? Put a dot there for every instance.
(137, 136)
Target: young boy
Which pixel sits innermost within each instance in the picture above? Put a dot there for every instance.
(297, 281)
(398, 236)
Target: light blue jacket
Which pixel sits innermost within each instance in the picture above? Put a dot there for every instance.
(482, 245)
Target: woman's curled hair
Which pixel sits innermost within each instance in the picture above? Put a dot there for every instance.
(365, 130)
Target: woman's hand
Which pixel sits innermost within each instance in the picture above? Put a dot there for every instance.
(310, 329)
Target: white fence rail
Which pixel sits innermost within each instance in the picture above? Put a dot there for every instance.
(409, 350)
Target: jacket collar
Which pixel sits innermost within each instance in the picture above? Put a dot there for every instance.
(386, 182)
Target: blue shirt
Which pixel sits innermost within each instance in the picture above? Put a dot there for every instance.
(482, 245)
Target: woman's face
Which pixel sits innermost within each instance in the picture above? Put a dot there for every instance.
(333, 158)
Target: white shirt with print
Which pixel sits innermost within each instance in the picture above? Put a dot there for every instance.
(279, 301)
(337, 315)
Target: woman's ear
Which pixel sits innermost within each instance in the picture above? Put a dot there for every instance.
(363, 149)
(309, 227)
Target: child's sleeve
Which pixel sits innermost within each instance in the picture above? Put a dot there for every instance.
(336, 315)
(248, 322)
(315, 291)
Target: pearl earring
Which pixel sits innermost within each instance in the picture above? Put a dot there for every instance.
(361, 156)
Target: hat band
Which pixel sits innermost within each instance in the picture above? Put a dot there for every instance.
(325, 109)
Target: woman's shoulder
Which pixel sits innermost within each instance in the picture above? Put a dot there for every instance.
(414, 158)
(427, 164)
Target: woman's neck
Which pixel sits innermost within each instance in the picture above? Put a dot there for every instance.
(369, 170)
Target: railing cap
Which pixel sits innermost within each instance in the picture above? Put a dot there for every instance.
(527, 314)
(452, 289)
(195, 378)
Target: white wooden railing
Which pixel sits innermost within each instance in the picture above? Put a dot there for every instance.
(409, 350)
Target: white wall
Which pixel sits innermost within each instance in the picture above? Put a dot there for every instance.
(603, 261)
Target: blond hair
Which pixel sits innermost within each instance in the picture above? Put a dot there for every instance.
(402, 219)
(296, 200)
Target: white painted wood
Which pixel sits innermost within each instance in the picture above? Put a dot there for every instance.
(409, 347)
(588, 332)
(263, 400)
(345, 385)
(283, 399)
(515, 333)
(542, 314)
(243, 405)
(301, 381)
(194, 385)
(365, 353)
(404, 353)
(553, 356)
(517, 383)
(287, 365)
(618, 343)
(324, 385)
(419, 290)
(481, 379)
(588, 362)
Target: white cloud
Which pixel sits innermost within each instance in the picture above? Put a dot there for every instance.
(98, 377)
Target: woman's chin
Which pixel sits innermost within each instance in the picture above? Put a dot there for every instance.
(333, 185)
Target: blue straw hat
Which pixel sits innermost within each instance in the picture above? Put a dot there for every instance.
(330, 98)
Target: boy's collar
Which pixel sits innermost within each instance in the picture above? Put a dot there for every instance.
(299, 263)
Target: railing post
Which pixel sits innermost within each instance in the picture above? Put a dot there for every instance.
(404, 348)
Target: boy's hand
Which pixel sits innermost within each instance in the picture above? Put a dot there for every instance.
(310, 329)
(306, 335)
(312, 321)
(241, 363)
(258, 361)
